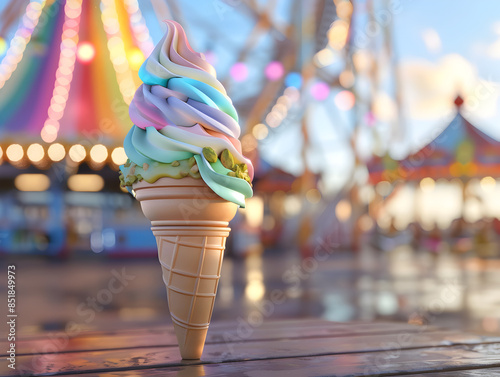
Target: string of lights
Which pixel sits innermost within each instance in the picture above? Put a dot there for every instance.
(139, 27)
(42, 155)
(337, 35)
(21, 38)
(117, 51)
(64, 73)
(273, 119)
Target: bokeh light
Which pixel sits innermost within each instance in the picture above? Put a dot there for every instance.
(344, 9)
(488, 184)
(77, 153)
(35, 152)
(274, 119)
(292, 93)
(135, 58)
(345, 100)
(14, 152)
(346, 79)
(366, 223)
(362, 60)
(239, 72)
(337, 35)
(293, 79)
(324, 57)
(280, 108)
(3, 46)
(86, 182)
(384, 107)
(383, 188)
(18, 43)
(427, 184)
(118, 156)
(56, 152)
(274, 71)
(260, 131)
(313, 196)
(85, 52)
(320, 91)
(99, 153)
(343, 210)
(32, 182)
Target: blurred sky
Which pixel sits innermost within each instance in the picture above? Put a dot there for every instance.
(442, 48)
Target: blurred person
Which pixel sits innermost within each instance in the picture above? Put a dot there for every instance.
(304, 236)
(496, 233)
(417, 234)
(484, 245)
(460, 236)
(433, 241)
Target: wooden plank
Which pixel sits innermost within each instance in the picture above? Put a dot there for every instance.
(230, 352)
(228, 325)
(458, 361)
(166, 337)
(486, 372)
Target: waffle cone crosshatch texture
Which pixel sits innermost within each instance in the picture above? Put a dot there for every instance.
(191, 260)
(190, 224)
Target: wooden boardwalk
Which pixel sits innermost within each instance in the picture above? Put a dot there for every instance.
(275, 348)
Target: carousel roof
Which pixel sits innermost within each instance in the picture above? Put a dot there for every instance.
(460, 150)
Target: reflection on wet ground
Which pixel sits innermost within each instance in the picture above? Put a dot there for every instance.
(402, 285)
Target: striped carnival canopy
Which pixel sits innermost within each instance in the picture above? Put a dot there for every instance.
(70, 72)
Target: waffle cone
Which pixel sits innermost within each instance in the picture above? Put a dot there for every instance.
(190, 224)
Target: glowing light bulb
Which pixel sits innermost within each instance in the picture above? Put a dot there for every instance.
(274, 71)
(260, 131)
(56, 152)
(118, 156)
(35, 152)
(320, 91)
(345, 100)
(14, 152)
(85, 52)
(239, 72)
(77, 153)
(135, 59)
(324, 57)
(294, 79)
(99, 153)
(3, 46)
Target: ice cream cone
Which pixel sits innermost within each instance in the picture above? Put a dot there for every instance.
(189, 222)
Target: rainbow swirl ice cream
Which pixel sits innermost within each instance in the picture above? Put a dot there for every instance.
(184, 123)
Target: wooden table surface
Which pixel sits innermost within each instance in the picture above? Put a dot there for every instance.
(275, 348)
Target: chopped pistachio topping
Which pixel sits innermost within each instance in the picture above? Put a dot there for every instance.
(227, 159)
(210, 154)
(151, 173)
